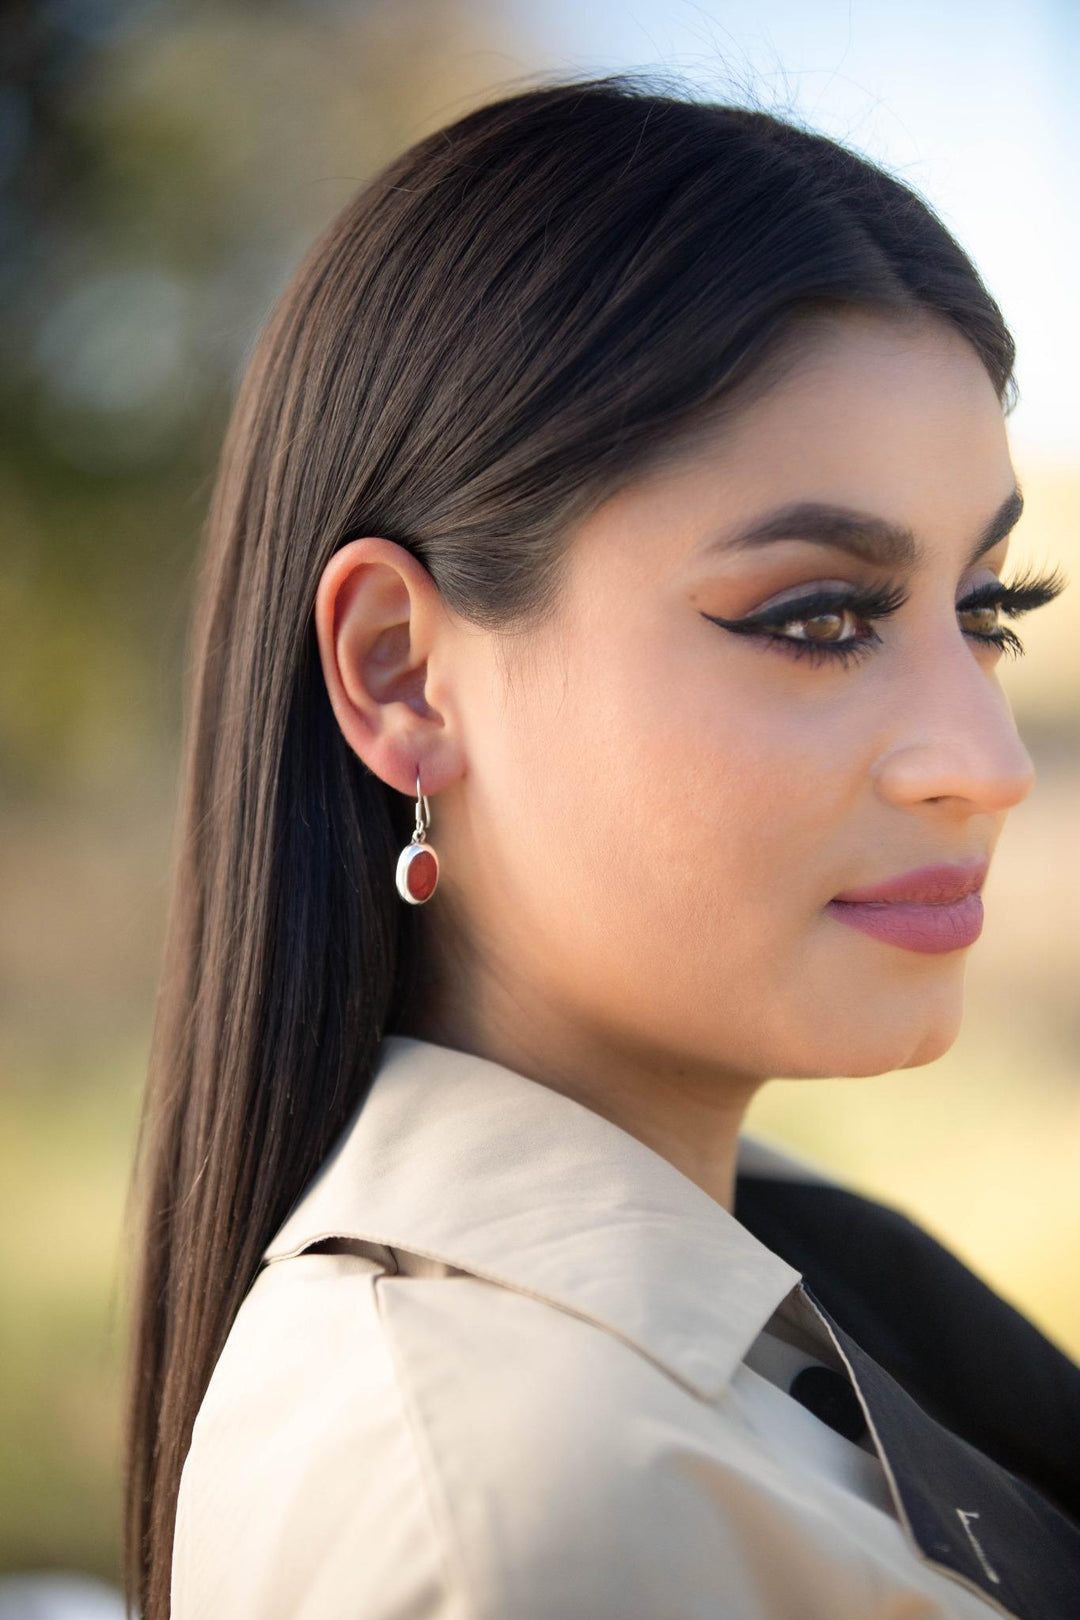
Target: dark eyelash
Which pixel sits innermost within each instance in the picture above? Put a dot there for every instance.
(1013, 597)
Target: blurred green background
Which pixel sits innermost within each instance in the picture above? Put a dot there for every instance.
(162, 169)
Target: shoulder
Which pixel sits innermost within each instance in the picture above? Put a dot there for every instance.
(447, 1447)
(302, 1495)
(572, 1475)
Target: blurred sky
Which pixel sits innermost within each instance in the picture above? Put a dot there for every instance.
(974, 102)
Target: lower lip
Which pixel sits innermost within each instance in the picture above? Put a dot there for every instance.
(932, 929)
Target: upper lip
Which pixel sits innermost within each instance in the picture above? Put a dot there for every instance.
(926, 885)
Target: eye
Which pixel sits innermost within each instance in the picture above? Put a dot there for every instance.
(819, 619)
(820, 622)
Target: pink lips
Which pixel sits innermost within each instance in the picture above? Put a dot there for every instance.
(930, 909)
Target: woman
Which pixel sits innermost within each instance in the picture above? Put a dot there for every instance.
(595, 712)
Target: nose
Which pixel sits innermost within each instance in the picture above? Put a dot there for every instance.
(957, 740)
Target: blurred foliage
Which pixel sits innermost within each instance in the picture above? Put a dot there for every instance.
(162, 169)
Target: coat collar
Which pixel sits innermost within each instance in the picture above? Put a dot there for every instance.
(460, 1159)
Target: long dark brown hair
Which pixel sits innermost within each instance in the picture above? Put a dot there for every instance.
(498, 332)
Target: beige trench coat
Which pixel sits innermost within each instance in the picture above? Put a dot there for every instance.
(493, 1370)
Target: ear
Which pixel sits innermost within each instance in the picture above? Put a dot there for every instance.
(379, 619)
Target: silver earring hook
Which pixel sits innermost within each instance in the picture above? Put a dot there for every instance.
(423, 813)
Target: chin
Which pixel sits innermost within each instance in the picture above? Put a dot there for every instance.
(912, 1048)
(901, 1026)
(882, 1050)
(933, 1045)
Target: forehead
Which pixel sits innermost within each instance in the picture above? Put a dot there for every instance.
(891, 390)
(896, 422)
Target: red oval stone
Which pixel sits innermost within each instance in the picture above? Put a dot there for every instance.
(422, 874)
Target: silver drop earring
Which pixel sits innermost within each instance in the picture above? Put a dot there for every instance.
(418, 864)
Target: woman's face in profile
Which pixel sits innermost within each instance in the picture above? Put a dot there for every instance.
(657, 809)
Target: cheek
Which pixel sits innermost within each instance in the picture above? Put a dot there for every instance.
(715, 832)
(675, 803)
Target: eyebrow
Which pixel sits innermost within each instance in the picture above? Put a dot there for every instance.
(873, 539)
